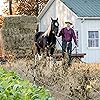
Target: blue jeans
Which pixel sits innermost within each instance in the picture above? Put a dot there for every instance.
(67, 45)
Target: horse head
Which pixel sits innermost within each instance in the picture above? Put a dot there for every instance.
(54, 26)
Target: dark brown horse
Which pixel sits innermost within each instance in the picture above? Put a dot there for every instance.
(46, 41)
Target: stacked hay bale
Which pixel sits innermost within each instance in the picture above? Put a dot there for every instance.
(18, 34)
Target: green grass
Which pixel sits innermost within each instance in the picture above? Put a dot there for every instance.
(13, 87)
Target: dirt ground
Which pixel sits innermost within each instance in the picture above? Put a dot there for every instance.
(78, 82)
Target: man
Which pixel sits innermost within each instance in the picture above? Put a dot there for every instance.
(67, 34)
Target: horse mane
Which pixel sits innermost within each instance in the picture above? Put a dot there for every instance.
(47, 32)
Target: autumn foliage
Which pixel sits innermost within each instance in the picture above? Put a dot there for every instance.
(24, 7)
(1, 21)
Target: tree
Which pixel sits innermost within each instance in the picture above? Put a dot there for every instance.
(31, 7)
(24, 7)
(11, 8)
(1, 20)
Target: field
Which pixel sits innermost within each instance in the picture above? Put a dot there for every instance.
(78, 81)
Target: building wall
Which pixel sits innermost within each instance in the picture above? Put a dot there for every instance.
(78, 29)
(46, 19)
(64, 14)
(93, 53)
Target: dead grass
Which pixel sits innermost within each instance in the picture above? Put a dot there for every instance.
(63, 80)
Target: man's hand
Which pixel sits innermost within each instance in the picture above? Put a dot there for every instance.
(58, 35)
(76, 46)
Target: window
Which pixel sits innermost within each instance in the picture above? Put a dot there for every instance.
(93, 39)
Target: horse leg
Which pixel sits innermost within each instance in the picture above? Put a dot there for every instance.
(36, 55)
(45, 46)
(51, 51)
(38, 49)
(51, 56)
(47, 53)
(39, 54)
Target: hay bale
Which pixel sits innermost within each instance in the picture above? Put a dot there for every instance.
(18, 34)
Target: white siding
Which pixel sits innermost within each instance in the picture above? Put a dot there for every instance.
(92, 54)
(64, 14)
(46, 19)
(78, 28)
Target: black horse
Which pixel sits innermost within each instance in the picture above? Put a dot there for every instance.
(46, 41)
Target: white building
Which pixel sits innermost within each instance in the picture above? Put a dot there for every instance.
(85, 15)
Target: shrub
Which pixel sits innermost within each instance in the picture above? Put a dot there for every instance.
(13, 87)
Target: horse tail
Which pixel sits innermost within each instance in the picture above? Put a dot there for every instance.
(36, 37)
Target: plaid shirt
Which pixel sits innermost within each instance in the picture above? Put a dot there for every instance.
(67, 35)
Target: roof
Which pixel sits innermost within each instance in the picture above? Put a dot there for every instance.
(84, 8)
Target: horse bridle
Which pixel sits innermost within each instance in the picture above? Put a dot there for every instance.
(55, 26)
